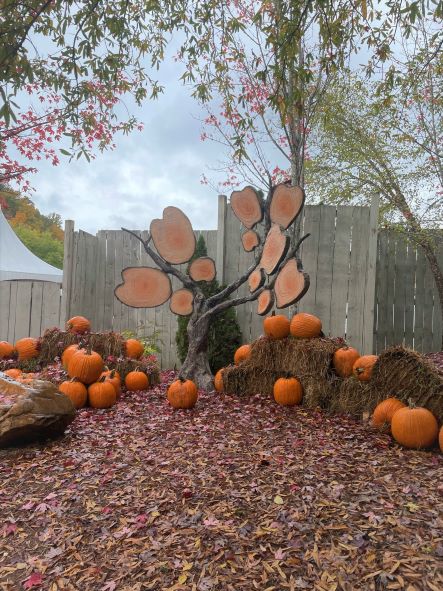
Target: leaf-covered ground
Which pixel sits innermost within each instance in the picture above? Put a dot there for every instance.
(235, 495)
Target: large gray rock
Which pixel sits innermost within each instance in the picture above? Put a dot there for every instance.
(32, 412)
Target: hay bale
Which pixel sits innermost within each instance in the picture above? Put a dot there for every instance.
(354, 397)
(243, 380)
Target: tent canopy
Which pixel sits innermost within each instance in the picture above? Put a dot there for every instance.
(17, 262)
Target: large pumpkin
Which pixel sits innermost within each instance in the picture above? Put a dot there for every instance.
(68, 353)
(218, 381)
(288, 391)
(102, 394)
(242, 353)
(362, 368)
(85, 365)
(76, 391)
(78, 325)
(27, 348)
(182, 394)
(415, 428)
(13, 373)
(134, 348)
(343, 361)
(384, 411)
(136, 380)
(276, 326)
(305, 326)
(6, 350)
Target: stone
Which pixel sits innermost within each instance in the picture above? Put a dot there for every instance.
(32, 412)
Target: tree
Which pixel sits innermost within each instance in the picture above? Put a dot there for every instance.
(276, 274)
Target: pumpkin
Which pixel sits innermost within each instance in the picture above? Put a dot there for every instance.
(343, 361)
(75, 391)
(27, 348)
(362, 368)
(78, 325)
(6, 350)
(182, 394)
(85, 365)
(13, 373)
(68, 353)
(305, 326)
(276, 326)
(242, 353)
(218, 381)
(440, 439)
(415, 428)
(102, 394)
(136, 380)
(288, 391)
(112, 375)
(384, 411)
(134, 348)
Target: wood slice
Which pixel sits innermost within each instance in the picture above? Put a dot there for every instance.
(256, 279)
(202, 269)
(275, 249)
(250, 240)
(173, 236)
(265, 302)
(291, 284)
(182, 302)
(247, 206)
(143, 287)
(286, 204)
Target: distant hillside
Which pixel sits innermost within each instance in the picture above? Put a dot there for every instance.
(42, 234)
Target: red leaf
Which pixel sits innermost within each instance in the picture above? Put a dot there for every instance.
(35, 580)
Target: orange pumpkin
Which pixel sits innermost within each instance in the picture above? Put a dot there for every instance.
(76, 391)
(134, 348)
(68, 353)
(242, 353)
(305, 326)
(27, 348)
(362, 368)
(13, 373)
(343, 361)
(440, 439)
(102, 394)
(85, 365)
(218, 381)
(384, 411)
(6, 350)
(112, 375)
(415, 428)
(136, 380)
(78, 325)
(276, 326)
(182, 394)
(288, 391)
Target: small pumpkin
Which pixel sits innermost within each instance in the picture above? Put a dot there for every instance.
(440, 438)
(102, 394)
(112, 375)
(362, 368)
(13, 373)
(136, 380)
(85, 365)
(242, 353)
(68, 353)
(384, 411)
(276, 326)
(305, 326)
(76, 391)
(343, 361)
(6, 350)
(288, 391)
(415, 428)
(218, 381)
(182, 394)
(78, 325)
(27, 348)
(134, 348)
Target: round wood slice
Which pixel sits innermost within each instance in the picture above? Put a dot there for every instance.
(181, 302)
(275, 249)
(265, 302)
(250, 240)
(202, 269)
(247, 206)
(143, 287)
(173, 236)
(291, 284)
(256, 280)
(286, 204)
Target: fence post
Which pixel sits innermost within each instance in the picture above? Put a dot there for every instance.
(221, 232)
(369, 302)
(68, 266)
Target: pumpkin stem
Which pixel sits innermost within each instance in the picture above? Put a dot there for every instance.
(273, 313)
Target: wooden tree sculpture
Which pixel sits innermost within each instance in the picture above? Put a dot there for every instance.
(276, 276)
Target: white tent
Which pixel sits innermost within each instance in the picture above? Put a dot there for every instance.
(17, 262)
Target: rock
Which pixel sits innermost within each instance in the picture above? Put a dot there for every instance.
(32, 412)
